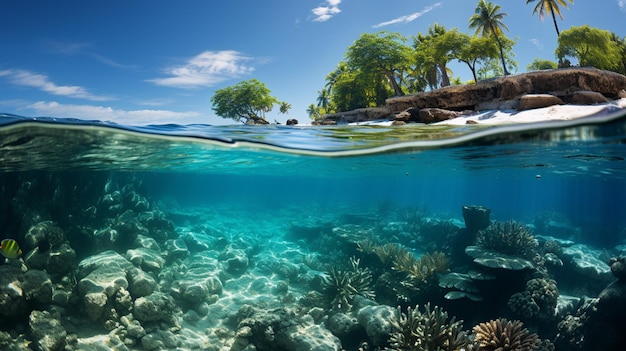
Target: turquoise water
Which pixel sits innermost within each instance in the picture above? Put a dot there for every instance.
(285, 204)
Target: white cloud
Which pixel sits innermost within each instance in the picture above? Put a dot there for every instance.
(206, 69)
(42, 82)
(102, 113)
(622, 5)
(408, 18)
(537, 43)
(326, 11)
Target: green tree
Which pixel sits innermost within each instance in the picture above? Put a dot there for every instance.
(246, 102)
(590, 46)
(381, 54)
(432, 52)
(550, 7)
(487, 20)
(313, 111)
(539, 64)
(621, 44)
(473, 50)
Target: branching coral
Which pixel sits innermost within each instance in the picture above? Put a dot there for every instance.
(428, 330)
(510, 238)
(503, 335)
(421, 269)
(341, 286)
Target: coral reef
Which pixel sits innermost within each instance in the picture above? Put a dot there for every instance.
(510, 238)
(537, 301)
(503, 335)
(422, 269)
(341, 286)
(476, 218)
(428, 330)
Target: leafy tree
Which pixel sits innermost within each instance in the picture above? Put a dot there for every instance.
(246, 102)
(621, 44)
(539, 64)
(590, 46)
(313, 111)
(487, 20)
(381, 54)
(432, 55)
(550, 7)
(473, 50)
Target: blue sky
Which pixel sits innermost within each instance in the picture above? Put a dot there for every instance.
(160, 61)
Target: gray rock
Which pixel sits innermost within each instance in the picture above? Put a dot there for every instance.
(586, 261)
(532, 101)
(154, 307)
(341, 325)
(311, 337)
(141, 283)
(159, 340)
(47, 331)
(12, 301)
(377, 322)
(585, 97)
(433, 115)
(37, 287)
(148, 260)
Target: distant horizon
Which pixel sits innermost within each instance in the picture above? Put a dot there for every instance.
(138, 62)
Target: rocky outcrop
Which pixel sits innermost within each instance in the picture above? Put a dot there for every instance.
(521, 91)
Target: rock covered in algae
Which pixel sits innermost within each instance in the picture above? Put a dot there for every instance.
(47, 331)
(154, 307)
(586, 261)
(377, 322)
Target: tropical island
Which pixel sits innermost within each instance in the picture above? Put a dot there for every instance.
(382, 71)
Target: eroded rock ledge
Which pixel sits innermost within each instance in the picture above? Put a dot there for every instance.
(524, 91)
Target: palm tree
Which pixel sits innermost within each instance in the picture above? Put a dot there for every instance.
(433, 59)
(323, 98)
(551, 7)
(313, 111)
(487, 20)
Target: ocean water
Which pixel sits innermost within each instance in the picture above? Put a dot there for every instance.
(239, 229)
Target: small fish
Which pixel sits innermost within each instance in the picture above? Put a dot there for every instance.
(9, 248)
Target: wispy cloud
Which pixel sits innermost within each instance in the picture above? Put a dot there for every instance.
(206, 69)
(408, 18)
(537, 43)
(622, 5)
(326, 11)
(83, 49)
(103, 113)
(42, 82)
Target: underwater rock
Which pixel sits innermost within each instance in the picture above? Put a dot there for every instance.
(493, 259)
(47, 331)
(160, 340)
(586, 261)
(176, 250)
(618, 267)
(236, 261)
(46, 234)
(12, 301)
(154, 307)
(599, 324)
(148, 260)
(476, 218)
(343, 326)
(377, 322)
(37, 287)
(159, 227)
(141, 283)
(308, 337)
(101, 278)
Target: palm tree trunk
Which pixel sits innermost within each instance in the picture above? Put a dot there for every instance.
(445, 80)
(555, 25)
(506, 72)
(394, 84)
